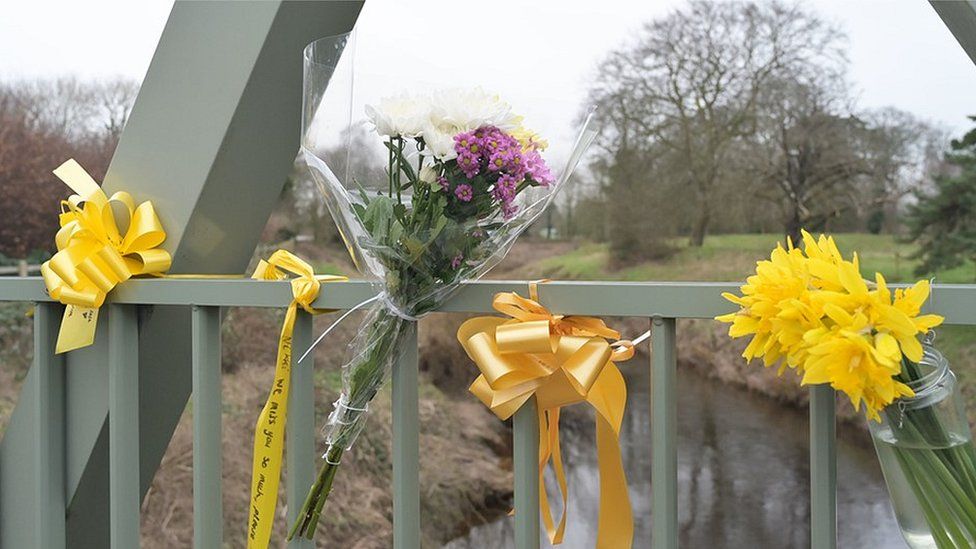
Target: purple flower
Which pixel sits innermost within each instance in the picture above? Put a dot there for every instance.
(456, 262)
(493, 139)
(503, 151)
(467, 141)
(444, 183)
(505, 187)
(464, 192)
(537, 169)
(500, 159)
(470, 163)
(468, 146)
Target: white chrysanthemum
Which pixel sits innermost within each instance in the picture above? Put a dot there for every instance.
(469, 109)
(440, 142)
(454, 111)
(440, 116)
(402, 115)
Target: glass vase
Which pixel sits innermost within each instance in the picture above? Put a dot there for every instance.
(926, 453)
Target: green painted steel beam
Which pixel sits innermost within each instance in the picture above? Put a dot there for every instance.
(300, 428)
(960, 18)
(823, 468)
(217, 119)
(664, 435)
(125, 495)
(208, 516)
(525, 446)
(406, 444)
(48, 402)
(957, 302)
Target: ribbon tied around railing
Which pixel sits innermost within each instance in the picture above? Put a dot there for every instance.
(95, 253)
(559, 360)
(269, 432)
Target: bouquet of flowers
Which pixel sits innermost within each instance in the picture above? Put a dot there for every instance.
(463, 179)
(810, 310)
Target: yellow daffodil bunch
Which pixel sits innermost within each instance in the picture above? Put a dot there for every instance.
(811, 310)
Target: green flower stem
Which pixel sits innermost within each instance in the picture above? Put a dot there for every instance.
(942, 541)
(931, 464)
(365, 376)
(310, 509)
(942, 509)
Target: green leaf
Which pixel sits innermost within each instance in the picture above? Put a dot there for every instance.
(377, 216)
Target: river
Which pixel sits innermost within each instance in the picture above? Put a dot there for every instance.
(743, 475)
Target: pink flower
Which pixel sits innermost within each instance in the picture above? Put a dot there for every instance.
(456, 262)
(464, 192)
(470, 163)
(505, 187)
(537, 169)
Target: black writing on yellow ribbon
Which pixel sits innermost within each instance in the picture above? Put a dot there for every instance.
(269, 433)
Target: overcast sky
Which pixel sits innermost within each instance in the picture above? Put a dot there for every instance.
(539, 55)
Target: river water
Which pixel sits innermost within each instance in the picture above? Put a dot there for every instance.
(743, 475)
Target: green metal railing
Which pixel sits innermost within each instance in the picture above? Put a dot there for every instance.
(662, 303)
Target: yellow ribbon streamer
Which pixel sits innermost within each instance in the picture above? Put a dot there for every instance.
(94, 255)
(269, 433)
(559, 360)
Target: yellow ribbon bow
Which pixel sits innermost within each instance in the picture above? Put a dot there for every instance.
(559, 360)
(94, 254)
(269, 433)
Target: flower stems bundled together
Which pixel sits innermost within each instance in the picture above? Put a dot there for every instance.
(936, 457)
(810, 310)
(459, 164)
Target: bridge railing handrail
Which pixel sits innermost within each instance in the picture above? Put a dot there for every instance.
(661, 302)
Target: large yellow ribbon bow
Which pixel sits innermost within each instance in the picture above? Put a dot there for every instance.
(269, 433)
(559, 360)
(94, 254)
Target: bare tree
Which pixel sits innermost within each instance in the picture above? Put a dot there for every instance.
(42, 124)
(819, 160)
(691, 83)
(808, 150)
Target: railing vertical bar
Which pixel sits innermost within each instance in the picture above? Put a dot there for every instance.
(208, 516)
(664, 435)
(823, 468)
(526, 464)
(123, 407)
(406, 445)
(300, 439)
(48, 402)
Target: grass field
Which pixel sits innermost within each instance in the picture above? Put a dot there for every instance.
(733, 257)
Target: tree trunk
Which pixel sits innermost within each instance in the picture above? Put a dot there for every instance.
(793, 226)
(698, 232)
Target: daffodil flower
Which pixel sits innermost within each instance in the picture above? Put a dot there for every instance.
(811, 310)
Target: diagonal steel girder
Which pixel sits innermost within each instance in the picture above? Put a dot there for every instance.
(210, 141)
(959, 17)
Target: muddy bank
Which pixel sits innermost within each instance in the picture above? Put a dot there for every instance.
(465, 453)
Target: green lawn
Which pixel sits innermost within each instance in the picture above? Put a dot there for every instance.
(733, 257)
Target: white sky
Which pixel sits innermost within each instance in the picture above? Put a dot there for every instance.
(539, 55)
